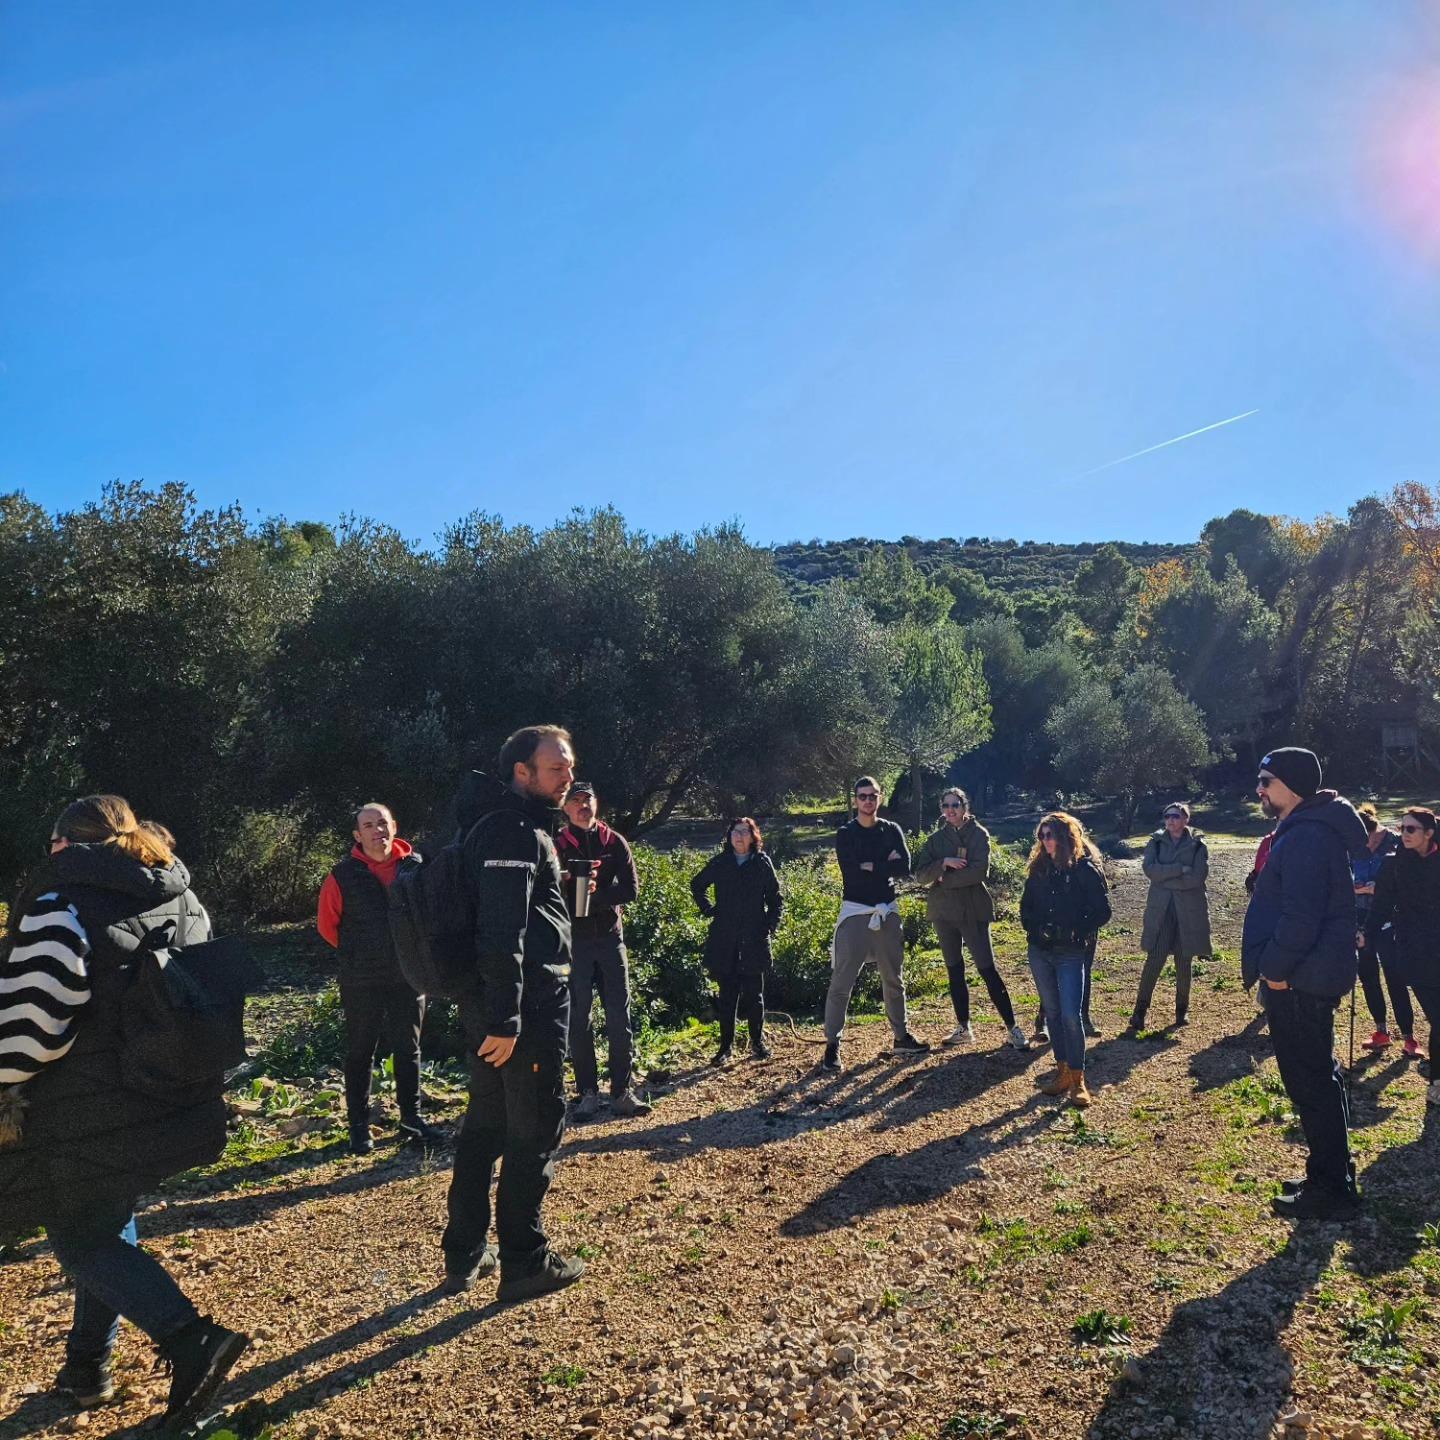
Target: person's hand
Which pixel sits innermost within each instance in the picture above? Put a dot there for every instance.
(1365, 889)
(497, 1049)
(594, 886)
(893, 855)
(1276, 984)
(953, 862)
(1359, 939)
(867, 864)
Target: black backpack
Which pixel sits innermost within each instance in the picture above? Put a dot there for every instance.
(432, 921)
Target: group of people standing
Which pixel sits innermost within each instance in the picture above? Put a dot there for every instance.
(544, 884)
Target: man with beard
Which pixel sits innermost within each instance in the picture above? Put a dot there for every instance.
(1299, 942)
(516, 1019)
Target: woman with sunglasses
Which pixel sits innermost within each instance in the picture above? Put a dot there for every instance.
(1365, 870)
(1407, 895)
(1177, 912)
(80, 1144)
(1063, 906)
(953, 865)
(744, 917)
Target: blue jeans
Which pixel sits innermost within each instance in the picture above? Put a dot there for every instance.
(1060, 979)
(113, 1277)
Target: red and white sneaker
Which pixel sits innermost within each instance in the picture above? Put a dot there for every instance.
(1412, 1047)
(1378, 1041)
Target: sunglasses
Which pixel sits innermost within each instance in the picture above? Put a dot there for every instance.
(1047, 834)
(1173, 815)
(1264, 781)
(951, 805)
(866, 795)
(1411, 829)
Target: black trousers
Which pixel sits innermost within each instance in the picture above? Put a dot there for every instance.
(599, 962)
(516, 1116)
(1429, 998)
(742, 995)
(1374, 960)
(1302, 1028)
(1167, 945)
(388, 1018)
(954, 940)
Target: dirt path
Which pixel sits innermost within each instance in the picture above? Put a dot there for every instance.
(897, 1250)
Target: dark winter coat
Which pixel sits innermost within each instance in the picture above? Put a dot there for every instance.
(744, 915)
(616, 883)
(1063, 906)
(959, 897)
(84, 1131)
(1365, 869)
(522, 925)
(1177, 870)
(367, 947)
(1300, 925)
(1407, 896)
(857, 845)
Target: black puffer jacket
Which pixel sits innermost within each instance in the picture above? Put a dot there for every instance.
(83, 1129)
(1062, 907)
(522, 927)
(745, 913)
(1407, 895)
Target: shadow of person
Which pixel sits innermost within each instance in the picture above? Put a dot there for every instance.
(1231, 1056)
(1401, 1199)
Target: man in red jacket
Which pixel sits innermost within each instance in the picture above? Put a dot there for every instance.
(380, 1007)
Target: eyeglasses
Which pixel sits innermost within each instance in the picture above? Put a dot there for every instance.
(1411, 829)
(951, 805)
(1264, 781)
(51, 843)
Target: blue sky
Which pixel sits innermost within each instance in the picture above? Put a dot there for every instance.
(834, 268)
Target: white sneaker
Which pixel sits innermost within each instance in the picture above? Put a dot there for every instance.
(1432, 1095)
(960, 1035)
(1017, 1038)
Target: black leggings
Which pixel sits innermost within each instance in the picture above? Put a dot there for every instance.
(1374, 960)
(953, 942)
(745, 995)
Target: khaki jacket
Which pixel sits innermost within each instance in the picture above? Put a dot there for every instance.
(958, 897)
(1177, 870)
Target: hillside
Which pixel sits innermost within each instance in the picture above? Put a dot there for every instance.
(1007, 565)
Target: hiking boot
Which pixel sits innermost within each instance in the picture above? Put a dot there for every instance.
(908, 1044)
(627, 1102)
(1432, 1093)
(960, 1035)
(723, 1057)
(360, 1141)
(1091, 1029)
(1292, 1186)
(1411, 1047)
(1080, 1096)
(831, 1060)
(552, 1273)
(416, 1131)
(1058, 1083)
(199, 1355)
(460, 1277)
(87, 1382)
(587, 1107)
(1378, 1041)
(1016, 1037)
(759, 1050)
(1313, 1203)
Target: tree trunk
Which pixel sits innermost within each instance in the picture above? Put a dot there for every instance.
(917, 796)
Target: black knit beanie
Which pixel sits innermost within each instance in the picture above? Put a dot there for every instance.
(1297, 768)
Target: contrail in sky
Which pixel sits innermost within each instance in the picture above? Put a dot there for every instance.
(1188, 435)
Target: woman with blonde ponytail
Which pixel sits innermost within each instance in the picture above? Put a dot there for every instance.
(80, 1145)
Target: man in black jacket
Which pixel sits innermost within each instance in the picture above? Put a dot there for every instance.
(873, 854)
(1299, 941)
(597, 950)
(517, 1019)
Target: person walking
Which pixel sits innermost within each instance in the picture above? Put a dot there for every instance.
(516, 1020)
(590, 848)
(1062, 907)
(744, 916)
(1380, 956)
(1407, 896)
(79, 1144)
(873, 855)
(381, 1010)
(1177, 912)
(1298, 942)
(953, 864)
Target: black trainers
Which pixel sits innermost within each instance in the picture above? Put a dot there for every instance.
(761, 1051)
(460, 1277)
(722, 1058)
(199, 1357)
(360, 1141)
(416, 1131)
(1292, 1187)
(831, 1060)
(908, 1044)
(1313, 1203)
(552, 1273)
(86, 1382)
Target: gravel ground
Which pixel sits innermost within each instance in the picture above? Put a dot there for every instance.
(900, 1251)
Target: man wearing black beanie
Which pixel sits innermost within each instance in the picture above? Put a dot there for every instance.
(1299, 943)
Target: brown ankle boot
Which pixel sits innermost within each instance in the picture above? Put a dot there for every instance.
(1080, 1095)
(1061, 1083)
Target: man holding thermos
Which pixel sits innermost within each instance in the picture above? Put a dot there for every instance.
(600, 879)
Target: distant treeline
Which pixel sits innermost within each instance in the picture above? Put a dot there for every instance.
(250, 684)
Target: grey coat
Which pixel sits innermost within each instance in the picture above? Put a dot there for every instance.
(1176, 870)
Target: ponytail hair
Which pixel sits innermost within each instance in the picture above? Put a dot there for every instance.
(109, 820)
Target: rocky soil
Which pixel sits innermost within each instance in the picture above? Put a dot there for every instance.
(911, 1249)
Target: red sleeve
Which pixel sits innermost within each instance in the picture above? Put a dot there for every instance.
(327, 918)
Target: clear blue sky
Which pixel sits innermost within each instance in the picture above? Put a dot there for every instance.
(831, 268)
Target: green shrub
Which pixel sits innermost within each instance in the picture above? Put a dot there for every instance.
(269, 865)
(313, 1041)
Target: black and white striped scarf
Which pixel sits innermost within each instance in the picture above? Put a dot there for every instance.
(44, 984)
